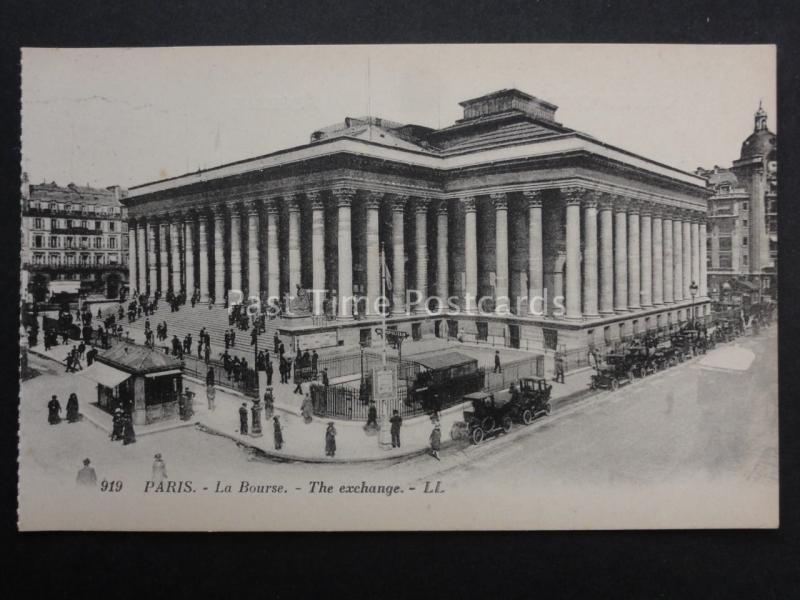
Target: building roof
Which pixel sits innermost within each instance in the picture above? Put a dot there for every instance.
(759, 143)
(52, 192)
(444, 360)
(138, 359)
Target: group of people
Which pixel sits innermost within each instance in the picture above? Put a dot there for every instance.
(122, 427)
(54, 410)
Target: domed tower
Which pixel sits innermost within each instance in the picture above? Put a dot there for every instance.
(752, 169)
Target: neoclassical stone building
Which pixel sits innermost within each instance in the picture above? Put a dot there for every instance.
(506, 203)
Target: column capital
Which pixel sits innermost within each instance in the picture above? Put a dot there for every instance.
(292, 202)
(605, 201)
(421, 205)
(633, 206)
(620, 203)
(272, 205)
(343, 196)
(500, 200)
(373, 199)
(591, 199)
(646, 208)
(316, 200)
(469, 203)
(176, 216)
(253, 206)
(441, 208)
(399, 202)
(533, 198)
(573, 194)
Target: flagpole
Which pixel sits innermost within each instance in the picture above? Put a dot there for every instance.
(383, 300)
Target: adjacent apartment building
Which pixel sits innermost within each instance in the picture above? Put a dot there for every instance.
(743, 220)
(75, 241)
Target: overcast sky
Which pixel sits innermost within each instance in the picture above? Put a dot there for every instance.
(129, 116)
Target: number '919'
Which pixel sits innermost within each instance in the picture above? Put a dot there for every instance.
(110, 486)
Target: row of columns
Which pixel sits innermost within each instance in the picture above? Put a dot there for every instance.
(621, 254)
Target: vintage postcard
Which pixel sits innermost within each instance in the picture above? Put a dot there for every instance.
(422, 287)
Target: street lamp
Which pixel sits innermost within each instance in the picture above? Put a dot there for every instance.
(693, 291)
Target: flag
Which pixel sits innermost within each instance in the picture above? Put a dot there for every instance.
(387, 278)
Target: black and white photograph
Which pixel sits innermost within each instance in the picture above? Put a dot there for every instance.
(399, 288)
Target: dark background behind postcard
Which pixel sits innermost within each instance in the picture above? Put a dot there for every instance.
(746, 564)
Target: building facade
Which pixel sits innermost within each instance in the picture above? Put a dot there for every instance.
(76, 240)
(572, 241)
(743, 217)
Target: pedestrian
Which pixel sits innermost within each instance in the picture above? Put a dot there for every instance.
(497, 368)
(372, 419)
(276, 341)
(243, 419)
(207, 353)
(128, 434)
(73, 414)
(330, 440)
(325, 377)
(54, 411)
(159, 469)
(314, 362)
(298, 385)
(276, 424)
(269, 372)
(87, 476)
(307, 408)
(117, 425)
(559, 364)
(436, 440)
(268, 402)
(396, 422)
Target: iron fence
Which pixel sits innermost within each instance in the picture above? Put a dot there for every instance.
(513, 371)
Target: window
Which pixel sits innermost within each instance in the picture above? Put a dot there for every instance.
(98, 242)
(112, 226)
(483, 330)
(37, 223)
(38, 259)
(725, 243)
(85, 224)
(635, 326)
(744, 260)
(84, 242)
(607, 334)
(53, 241)
(744, 205)
(744, 241)
(70, 242)
(53, 223)
(38, 241)
(98, 225)
(112, 242)
(55, 259)
(621, 331)
(69, 223)
(98, 259)
(550, 339)
(113, 259)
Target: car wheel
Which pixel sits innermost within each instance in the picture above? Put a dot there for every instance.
(477, 435)
(506, 424)
(614, 384)
(527, 416)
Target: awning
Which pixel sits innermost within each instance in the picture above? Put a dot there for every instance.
(105, 375)
(162, 373)
(69, 287)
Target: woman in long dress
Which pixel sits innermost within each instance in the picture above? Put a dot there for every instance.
(73, 413)
(330, 440)
(268, 401)
(159, 469)
(128, 434)
(307, 408)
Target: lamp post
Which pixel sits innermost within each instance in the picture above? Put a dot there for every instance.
(693, 291)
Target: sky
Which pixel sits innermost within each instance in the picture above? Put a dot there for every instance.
(129, 116)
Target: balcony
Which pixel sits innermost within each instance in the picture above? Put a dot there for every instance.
(65, 267)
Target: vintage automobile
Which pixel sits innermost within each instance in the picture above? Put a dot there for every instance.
(491, 413)
(683, 345)
(532, 399)
(614, 371)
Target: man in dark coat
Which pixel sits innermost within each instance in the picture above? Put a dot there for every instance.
(118, 422)
(210, 377)
(436, 441)
(276, 342)
(497, 368)
(128, 434)
(396, 422)
(314, 362)
(278, 432)
(54, 411)
(73, 413)
(243, 419)
(269, 372)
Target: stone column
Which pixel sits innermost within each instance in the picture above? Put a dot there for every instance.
(317, 249)
(203, 255)
(646, 256)
(421, 249)
(398, 255)
(273, 256)
(253, 258)
(658, 259)
(236, 248)
(344, 201)
(219, 255)
(634, 283)
(294, 243)
(175, 251)
(442, 255)
(715, 246)
(572, 197)
(677, 257)
(703, 283)
(141, 232)
(669, 253)
(501, 299)
(470, 252)
(188, 250)
(535, 254)
(373, 250)
(590, 274)
(620, 255)
(133, 255)
(163, 256)
(606, 254)
(687, 256)
(695, 232)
